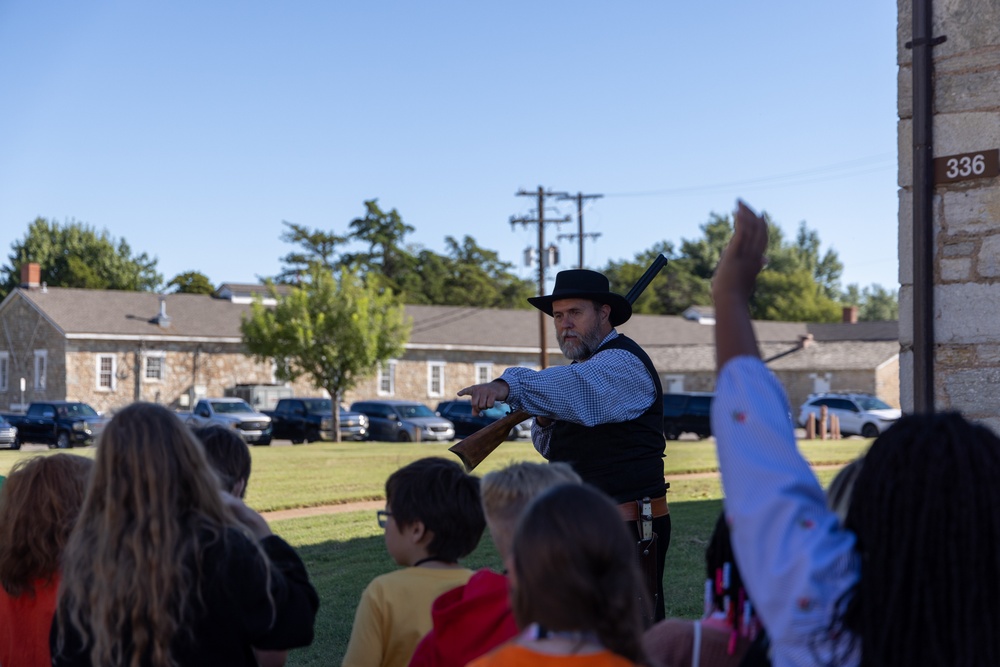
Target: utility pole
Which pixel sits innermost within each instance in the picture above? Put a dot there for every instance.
(540, 221)
(579, 197)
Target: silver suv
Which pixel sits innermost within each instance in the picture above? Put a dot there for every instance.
(404, 421)
(859, 414)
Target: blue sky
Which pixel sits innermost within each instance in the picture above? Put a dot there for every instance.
(192, 129)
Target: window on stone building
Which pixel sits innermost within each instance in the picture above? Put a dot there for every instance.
(387, 378)
(106, 367)
(484, 371)
(41, 362)
(4, 371)
(154, 366)
(435, 378)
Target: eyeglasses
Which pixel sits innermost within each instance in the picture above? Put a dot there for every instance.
(383, 517)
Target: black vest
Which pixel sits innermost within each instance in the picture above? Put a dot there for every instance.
(624, 459)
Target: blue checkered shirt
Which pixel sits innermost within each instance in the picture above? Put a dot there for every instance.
(610, 387)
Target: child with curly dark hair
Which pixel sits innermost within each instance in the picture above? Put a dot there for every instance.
(38, 505)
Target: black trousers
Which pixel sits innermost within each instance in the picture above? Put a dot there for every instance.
(661, 527)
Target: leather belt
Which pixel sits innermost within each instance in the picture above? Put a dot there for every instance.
(631, 510)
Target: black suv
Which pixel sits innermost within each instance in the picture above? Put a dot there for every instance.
(460, 414)
(687, 412)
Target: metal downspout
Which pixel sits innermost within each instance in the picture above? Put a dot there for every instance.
(923, 208)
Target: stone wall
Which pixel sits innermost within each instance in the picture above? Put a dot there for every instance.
(459, 372)
(24, 331)
(966, 213)
(187, 370)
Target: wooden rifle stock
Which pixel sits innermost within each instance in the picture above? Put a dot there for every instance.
(473, 449)
(476, 447)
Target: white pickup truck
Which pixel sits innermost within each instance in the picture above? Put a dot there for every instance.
(235, 413)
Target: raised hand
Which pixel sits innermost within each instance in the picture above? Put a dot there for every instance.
(733, 284)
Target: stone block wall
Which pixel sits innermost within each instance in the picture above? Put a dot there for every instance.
(459, 371)
(186, 368)
(966, 214)
(24, 331)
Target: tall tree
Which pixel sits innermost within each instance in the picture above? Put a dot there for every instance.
(335, 330)
(875, 303)
(76, 255)
(384, 232)
(796, 286)
(315, 245)
(191, 282)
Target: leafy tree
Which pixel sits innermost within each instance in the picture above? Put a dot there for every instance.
(875, 303)
(811, 278)
(386, 257)
(333, 329)
(792, 297)
(481, 278)
(191, 282)
(466, 274)
(316, 246)
(76, 255)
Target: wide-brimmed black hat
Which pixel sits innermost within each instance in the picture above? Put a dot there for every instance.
(585, 284)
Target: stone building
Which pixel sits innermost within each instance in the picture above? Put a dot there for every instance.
(950, 310)
(110, 348)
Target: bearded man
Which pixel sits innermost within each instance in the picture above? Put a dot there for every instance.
(603, 413)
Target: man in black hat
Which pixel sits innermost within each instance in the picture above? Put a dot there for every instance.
(603, 413)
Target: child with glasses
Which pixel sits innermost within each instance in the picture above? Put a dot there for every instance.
(475, 618)
(433, 517)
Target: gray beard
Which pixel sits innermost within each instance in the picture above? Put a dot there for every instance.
(586, 345)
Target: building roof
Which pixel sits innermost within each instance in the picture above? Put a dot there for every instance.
(115, 314)
(671, 341)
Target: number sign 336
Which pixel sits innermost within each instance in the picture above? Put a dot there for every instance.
(981, 164)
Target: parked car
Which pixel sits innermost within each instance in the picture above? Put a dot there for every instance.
(687, 412)
(309, 419)
(235, 413)
(460, 414)
(61, 424)
(859, 413)
(403, 421)
(8, 434)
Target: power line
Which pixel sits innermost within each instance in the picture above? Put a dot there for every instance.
(579, 197)
(541, 193)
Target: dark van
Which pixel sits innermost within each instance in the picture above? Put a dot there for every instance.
(687, 412)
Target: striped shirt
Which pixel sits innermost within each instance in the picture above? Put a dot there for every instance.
(610, 387)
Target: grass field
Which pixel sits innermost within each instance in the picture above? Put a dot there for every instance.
(344, 551)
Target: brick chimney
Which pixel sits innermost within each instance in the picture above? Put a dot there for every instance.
(31, 275)
(850, 315)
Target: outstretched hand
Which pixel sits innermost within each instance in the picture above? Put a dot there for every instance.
(743, 258)
(485, 395)
(734, 281)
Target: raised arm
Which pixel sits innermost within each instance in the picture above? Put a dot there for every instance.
(733, 285)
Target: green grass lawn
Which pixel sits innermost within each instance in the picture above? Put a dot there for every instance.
(344, 551)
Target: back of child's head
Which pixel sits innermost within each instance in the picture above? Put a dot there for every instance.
(506, 492)
(38, 505)
(925, 512)
(440, 494)
(575, 569)
(229, 456)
